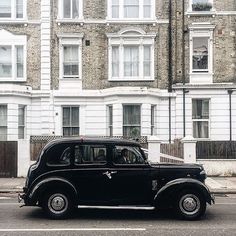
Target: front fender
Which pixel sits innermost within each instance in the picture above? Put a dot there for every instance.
(48, 184)
(166, 195)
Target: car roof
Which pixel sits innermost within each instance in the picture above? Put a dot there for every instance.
(97, 140)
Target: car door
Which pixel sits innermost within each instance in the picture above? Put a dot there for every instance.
(88, 173)
(131, 182)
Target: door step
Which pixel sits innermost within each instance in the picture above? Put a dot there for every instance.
(118, 207)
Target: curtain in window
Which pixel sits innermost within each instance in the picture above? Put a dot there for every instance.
(147, 8)
(66, 8)
(5, 61)
(200, 53)
(3, 122)
(70, 121)
(200, 109)
(71, 60)
(5, 9)
(131, 61)
(21, 122)
(19, 8)
(200, 129)
(147, 61)
(131, 8)
(131, 120)
(115, 9)
(20, 61)
(115, 61)
(75, 13)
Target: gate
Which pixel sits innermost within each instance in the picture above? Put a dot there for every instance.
(8, 159)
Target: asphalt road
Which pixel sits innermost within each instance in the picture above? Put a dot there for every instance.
(219, 220)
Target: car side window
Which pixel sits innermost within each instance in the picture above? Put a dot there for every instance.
(127, 155)
(59, 155)
(90, 154)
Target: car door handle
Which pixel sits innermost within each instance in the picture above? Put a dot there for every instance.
(109, 173)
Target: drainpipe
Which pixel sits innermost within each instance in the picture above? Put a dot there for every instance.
(170, 65)
(230, 114)
(183, 65)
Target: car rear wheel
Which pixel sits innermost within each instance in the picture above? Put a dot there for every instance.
(190, 205)
(57, 205)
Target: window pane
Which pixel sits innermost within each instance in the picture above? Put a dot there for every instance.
(201, 5)
(21, 132)
(19, 61)
(5, 61)
(75, 116)
(147, 61)
(200, 129)
(200, 53)
(131, 131)
(66, 8)
(71, 60)
(75, 8)
(5, 8)
(66, 116)
(21, 116)
(115, 8)
(147, 8)
(131, 61)
(200, 109)
(115, 61)
(3, 115)
(3, 133)
(75, 131)
(131, 114)
(19, 8)
(131, 8)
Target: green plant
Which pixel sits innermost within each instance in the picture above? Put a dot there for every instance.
(201, 6)
(135, 132)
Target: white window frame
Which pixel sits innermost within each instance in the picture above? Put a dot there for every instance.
(9, 39)
(123, 125)
(22, 126)
(110, 120)
(73, 40)
(121, 17)
(71, 19)
(201, 30)
(153, 119)
(70, 120)
(131, 37)
(202, 120)
(4, 126)
(13, 13)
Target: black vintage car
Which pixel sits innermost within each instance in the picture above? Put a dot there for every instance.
(95, 172)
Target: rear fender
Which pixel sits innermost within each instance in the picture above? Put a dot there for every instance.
(35, 194)
(167, 194)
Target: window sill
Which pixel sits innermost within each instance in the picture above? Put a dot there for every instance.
(12, 80)
(129, 79)
(70, 78)
(131, 20)
(201, 13)
(69, 21)
(14, 21)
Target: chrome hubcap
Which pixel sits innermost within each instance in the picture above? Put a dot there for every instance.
(57, 203)
(189, 204)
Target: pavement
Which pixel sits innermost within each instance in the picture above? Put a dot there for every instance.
(217, 185)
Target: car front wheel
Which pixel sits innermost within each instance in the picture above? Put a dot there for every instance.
(190, 205)
(57, 205)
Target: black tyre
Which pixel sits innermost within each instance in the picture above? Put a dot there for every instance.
(190, 205)
(57, 205)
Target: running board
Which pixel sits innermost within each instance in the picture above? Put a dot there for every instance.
(118, 207)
